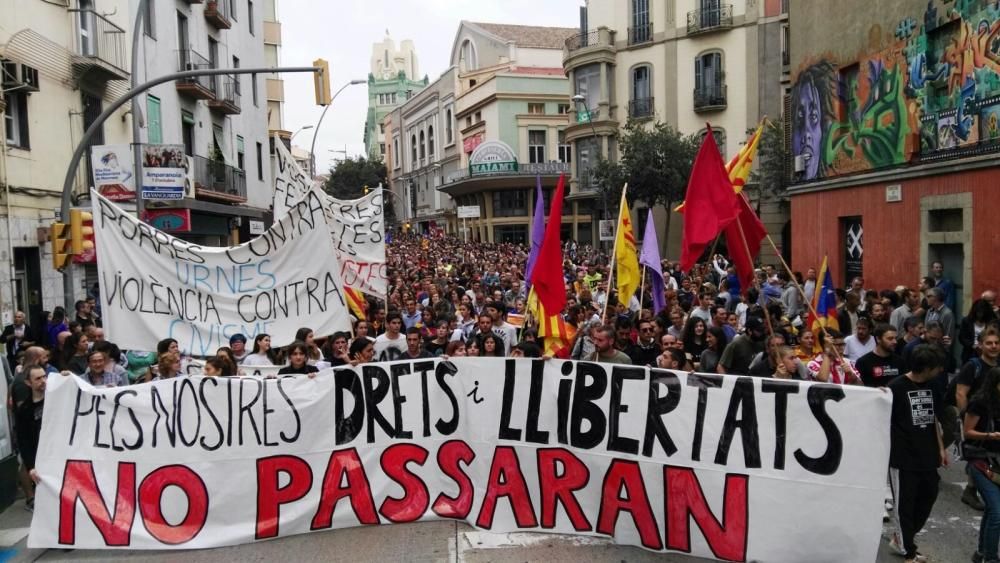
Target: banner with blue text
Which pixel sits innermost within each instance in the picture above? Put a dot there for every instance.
(156, 286)
(735, 468)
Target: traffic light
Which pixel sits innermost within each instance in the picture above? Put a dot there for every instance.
(60, 244)
(321, 82)
(81, 231)
(366, 190)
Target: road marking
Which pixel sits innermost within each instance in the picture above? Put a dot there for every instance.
(9, 538)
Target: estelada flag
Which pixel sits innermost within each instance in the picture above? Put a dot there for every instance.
(710, 205)
(824, 302)
(627, 275)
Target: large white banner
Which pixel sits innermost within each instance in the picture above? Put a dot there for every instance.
(357, 226)
(156, 286)
(736, 468)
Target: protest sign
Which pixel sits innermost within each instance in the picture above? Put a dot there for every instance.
(357, 226)
(736, 468)
(114, 175)
(155, 286)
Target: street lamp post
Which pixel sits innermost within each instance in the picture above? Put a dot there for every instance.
(301, 129)
(312, 149)
(580, 99)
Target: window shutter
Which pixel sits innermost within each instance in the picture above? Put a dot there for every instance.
(22, 120)
(154, 120)
(697, 73)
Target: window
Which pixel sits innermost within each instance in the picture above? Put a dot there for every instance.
(587, 151)
(512, 234)
(786, 40)
(709, 80)
(472, 83)
(16, 119)
(562, 109)
(148, 21)
(253, 89)
(413, 147)
(588, 84)
(381, 148)
(396, 157)
(641, 31)
(565, 149)
(423, 146)
(468, 121)
(154, 121)
(250, 15)
(720, 139)
(711, 12)
(260, 162)
(237, 78)
(430, 141)
(187, 132)
(511, 203)
(449, 134)
(479, 117)
(381, 127)
(232, 8)
(641, 104)
(468, 59)
(240, 157)
(536, 109)
(536, 146)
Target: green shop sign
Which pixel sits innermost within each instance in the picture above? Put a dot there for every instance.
(492, 157)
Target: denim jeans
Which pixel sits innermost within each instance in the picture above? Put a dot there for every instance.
(989, 529)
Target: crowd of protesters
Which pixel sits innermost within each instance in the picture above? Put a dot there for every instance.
(450, 299)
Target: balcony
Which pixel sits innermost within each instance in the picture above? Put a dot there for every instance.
(227, 95)
(641, 108)
(199, 88)
(640, 34)
(217, 14)
(218, 181)
(710, 99)
(272, 33)
(99, 50)
(597, 45)
(713, 19)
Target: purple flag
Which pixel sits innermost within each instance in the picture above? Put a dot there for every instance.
(650, 258)
(537, 231)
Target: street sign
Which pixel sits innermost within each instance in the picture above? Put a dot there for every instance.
(113, 173)
(468, 211)
(164, 172)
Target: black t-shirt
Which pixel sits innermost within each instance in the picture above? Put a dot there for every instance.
(435, 349)
(306, 369)
(877, 371)
(643, 356)
(982, 409)
(28, 426)
(915, 407)
(972, 374)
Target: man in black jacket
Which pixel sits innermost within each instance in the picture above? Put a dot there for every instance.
(17, 337)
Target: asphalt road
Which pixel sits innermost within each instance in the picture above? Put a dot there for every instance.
(949, 537)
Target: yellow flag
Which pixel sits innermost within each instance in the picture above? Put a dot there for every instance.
(627, 275)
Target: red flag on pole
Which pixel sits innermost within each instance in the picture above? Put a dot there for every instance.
(710, 204)
(547, 277)
(753, 233)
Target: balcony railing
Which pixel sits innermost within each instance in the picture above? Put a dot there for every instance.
(200, 87)
(99, 46)
(711, 98)
(640, 108)
(583, 40)
(217, 14)
(227, 94)
(217, 180)
(640, 34)
(701, 21)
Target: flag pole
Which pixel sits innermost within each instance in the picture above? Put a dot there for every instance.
(614, 251)
(642, 288)
(775, 356)
(812, 308)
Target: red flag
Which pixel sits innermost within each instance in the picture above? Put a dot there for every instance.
(547, 277)
(710, 203)
(753, 232)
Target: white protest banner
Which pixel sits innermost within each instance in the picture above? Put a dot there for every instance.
(155, 286)
(357, 226)
(114, 175)
(736, 468)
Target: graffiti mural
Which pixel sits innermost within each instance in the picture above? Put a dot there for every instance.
(933, 90)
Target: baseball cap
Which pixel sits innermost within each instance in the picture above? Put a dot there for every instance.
(237, 338)
(754, 324)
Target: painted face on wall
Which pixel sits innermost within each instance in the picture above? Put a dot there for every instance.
(807, 131)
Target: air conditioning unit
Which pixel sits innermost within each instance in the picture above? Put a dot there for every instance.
(800, 163)
(20, 76)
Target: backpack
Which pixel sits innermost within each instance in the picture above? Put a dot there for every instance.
(953, 384)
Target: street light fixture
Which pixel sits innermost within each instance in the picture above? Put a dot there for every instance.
(312, 148)
(301, 129)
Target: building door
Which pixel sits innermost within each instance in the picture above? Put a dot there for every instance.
(28, 282)
(952, 257)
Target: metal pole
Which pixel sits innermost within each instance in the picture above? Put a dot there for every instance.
(312, 148)
(74, 162)
(136, 113)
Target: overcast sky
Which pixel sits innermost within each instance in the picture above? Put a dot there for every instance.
(343, 32)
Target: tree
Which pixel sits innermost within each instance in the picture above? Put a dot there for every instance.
(770, 177)
(656, 162)
(350, 176)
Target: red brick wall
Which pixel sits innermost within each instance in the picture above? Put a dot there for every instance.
(892, 230)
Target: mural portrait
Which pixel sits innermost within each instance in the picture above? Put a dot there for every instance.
(812, 113)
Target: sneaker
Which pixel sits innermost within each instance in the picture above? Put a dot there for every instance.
(29, 504)
(885, 515)
(971, 498)
(888, 504)
(896, 543)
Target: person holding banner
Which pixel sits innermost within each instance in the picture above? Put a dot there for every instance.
(262, 354)
(103, 373)
(298, 361)
(28, 426)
